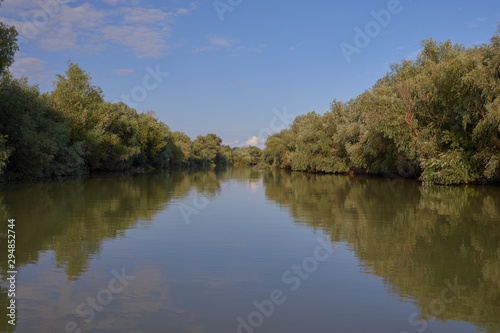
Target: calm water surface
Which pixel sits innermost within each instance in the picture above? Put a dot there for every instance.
(248, 251)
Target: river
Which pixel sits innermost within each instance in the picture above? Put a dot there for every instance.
(242, 250)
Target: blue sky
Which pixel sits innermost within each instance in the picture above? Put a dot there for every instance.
(238, 68)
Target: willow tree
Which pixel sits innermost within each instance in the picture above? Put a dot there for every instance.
(107, 132)
(31, 130)
(208, 150)
(8, 46)
(156, 140)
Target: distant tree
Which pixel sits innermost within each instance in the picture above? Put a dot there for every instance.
(279, 146)
(247, 155)
(156, 140)
(207, 150)
(182, 149)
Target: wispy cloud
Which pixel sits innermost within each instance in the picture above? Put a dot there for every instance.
(85, 28)
(142, 40)
(32, 67)
(124, 71)
(413, 55)
(117, 2)
(231, 143)
(474, 24)
(219, 41)
(246, 49)
(296, 46)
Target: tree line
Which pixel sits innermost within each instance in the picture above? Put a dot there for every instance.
(73, 131)
(436, 118)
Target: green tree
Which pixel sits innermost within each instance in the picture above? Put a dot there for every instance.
(88, 115)
(207, 150)
(8, 46)
(156, 141)
(182, 149)
(33, 132)
(108, 133)
(246, 155)
(436, 118)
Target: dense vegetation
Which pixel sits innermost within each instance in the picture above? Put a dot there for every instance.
(73, 130)
(436, 118)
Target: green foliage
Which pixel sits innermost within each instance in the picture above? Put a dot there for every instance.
(182, 150)
(246, 156)
(450, 167)
(156, 141)
(207, 150)
(8, 46)
(4, 152)
(437, 118)
(33, 132)
(278, 149)
(73, 131)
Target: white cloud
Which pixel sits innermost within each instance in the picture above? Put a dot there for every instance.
(124, 71)
(219, 41)
(85, 28)
(255, 141)
(204, 49)
(33, 68)
(146, 16)
(257, 48)
(231, 143)
(413, 55)
(143, 40)
(116, 2)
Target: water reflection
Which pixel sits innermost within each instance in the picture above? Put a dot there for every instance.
(72, 219)
(420, 239)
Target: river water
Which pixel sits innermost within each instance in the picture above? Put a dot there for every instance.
(241, 250)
